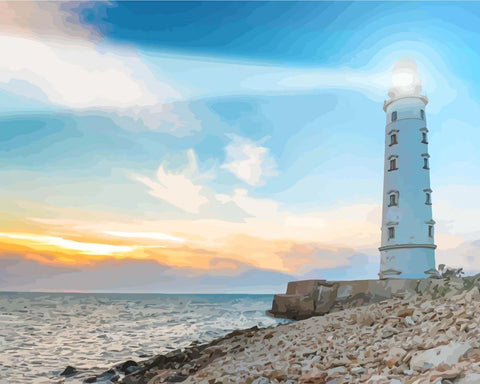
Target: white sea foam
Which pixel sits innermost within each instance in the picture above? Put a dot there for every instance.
(42, 333)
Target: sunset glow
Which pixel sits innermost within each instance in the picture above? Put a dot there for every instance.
(178, 156)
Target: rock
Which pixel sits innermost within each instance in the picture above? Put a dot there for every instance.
(357, 370)
(473, 354)
(107, 375)
(388, 331)
(409, 321)
(306, 307)
(157, 362)
(341, 361)
(133, 379)
(159, 378)
(177, 377)
(404, 312)
(278, 375)
(365, 319)
(261, 380)
(110, 372)
(176, 356)
(303, 287)
(69, 371)
(124, 367)
(394, 354)
(446, 374)
(469, 378)
(472, 295)
(336, 371)
(314, 376)
(445, 354)
(289, 306)
(92, 379)
(131, 369)
(400, 340)
(324, 298)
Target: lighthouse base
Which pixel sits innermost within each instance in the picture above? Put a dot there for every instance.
(409, 262)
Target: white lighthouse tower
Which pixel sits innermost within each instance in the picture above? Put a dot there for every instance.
(407, 248)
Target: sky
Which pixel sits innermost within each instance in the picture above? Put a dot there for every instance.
(222, 147)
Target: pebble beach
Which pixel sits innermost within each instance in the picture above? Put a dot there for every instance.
(412, 340)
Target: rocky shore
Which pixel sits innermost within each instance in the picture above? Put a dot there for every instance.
(413, 339)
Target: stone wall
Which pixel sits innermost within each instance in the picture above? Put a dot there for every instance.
(308, 298)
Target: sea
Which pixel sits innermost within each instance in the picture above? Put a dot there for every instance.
(43, 333)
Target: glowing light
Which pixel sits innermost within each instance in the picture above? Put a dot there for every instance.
(85, 248)
(403, 79)
(146, 235)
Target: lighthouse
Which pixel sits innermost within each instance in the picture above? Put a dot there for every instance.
(407, 245)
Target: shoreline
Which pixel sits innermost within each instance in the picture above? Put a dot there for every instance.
(412, 340)
(175, 365)
(45, 333)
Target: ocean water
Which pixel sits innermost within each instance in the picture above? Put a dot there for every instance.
(42, 333)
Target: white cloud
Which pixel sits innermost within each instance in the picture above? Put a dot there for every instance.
(177, 189)
(65, 63)
(146, 235)
(79, 76)
(263, 208)
(248, 161)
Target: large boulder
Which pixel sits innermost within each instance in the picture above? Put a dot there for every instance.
(292, 306)
(303, 287)
(324, 297)
(317, 297)
(444, 354)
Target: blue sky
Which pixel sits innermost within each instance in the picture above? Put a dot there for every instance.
(251, 131)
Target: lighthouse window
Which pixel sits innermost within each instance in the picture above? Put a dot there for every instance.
(425, 163)
(391, 233)
(430, 231)
(393, 198)
(394, 115)
(393, 164)
(424, 138)
(422, 114)
(393, 139)
(428, 198)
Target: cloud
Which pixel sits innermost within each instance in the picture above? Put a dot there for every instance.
(175, 118)
(82, 247)
(58, 60)
(79, 76)
(177, 189)
(20, 274)
(46, 19)
(249, 161)
(253, 206)
(146, 235)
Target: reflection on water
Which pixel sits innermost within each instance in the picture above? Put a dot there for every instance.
(42, 333)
